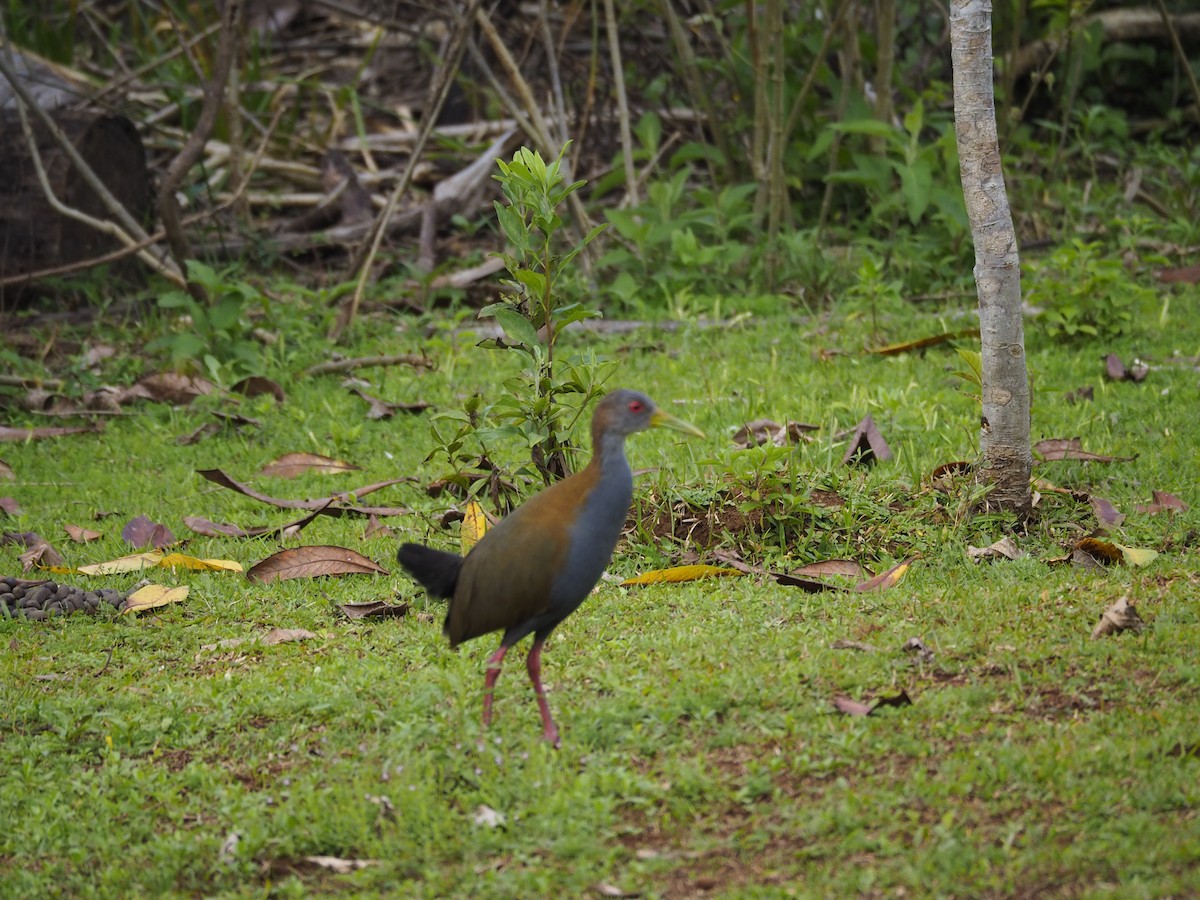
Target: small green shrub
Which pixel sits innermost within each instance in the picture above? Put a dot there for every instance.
(219, 334)
(1084, 293)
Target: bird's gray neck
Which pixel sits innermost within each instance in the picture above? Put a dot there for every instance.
(609, 455)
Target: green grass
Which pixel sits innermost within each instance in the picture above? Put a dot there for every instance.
(701, 751)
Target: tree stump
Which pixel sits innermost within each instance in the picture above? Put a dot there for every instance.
(33, 236)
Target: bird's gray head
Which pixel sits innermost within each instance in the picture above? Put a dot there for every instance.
(624, 412)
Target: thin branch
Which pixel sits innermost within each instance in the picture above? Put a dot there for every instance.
(1184, 62)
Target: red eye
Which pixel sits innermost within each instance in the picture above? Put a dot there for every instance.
(637, 406)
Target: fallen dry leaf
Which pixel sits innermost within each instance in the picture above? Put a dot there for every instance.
(329, 506)
(679, 574)
(81, 535)
(175, 387)
(765, 431)
(293, 465)
(373, 609)
(1121, 616)
(141, 532)
(1115, 369)
(845, 567)
(10, 507)
(375, 528)
(1005, 547)
(866, 444)
(256, 385)
(474, 526)
(152, 596)
(6, 472)
(885, 580)
(311, 562)
(1072, 448)
(1108, 515)
(856, 708)
(382, 409)
(1163, 502)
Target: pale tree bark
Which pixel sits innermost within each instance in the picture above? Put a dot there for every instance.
(1004, 427)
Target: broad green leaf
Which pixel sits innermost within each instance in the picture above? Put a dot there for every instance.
(517, 328)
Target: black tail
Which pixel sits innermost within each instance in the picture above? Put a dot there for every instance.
(435, 569)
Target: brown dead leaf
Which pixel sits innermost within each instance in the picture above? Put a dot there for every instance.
(765, 431)
(39, 551)
(257, 385)
(866, 444)
(943, 476)
(373, 609)
(731, 559)
(311, 562)
(845, 567)
(1121, 616)
(141, 532)
(335, 505)
(38, 434)
(1108, 515)
(885, 580)
(175, 387)
(1005, 547)
(10, 507)
(375, 528)
(81, 535)
(293, 465)
(383, 409)
(1163, 502)
(1072, 448)
(856, 708)
(1115, 369)
(6, 472)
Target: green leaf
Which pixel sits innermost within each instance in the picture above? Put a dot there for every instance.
(517, 328)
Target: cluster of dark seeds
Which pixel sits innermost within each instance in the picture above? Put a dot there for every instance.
(42, 599)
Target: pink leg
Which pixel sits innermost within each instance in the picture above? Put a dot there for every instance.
(489, 682)
(533, 663)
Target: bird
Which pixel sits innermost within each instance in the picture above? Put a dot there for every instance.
(538, 564)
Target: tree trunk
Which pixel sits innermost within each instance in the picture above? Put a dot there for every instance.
(1004, 428)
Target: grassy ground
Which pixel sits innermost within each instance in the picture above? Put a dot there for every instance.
(701, 750)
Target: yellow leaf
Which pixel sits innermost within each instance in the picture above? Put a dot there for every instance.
(474, 525)
(153, 595)
(123, 564)
(679, 574)
(182, 561)
(1138, 556)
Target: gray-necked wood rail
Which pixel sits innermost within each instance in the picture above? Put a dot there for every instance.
(536, 566)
